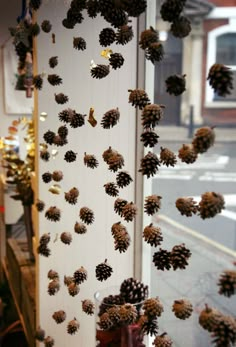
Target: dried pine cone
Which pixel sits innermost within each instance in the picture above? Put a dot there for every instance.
(59, 316)
(179, 256)
(61, 98)
(59, 141)
(162, 259)
(43, 250)
(49, 137)
(116, 162)
(148, 326)
(79, 43)
(151, 115)
(171, 9)
(138, 98)
(133, 291)
(107, 37)
(73, 326)
(152, 204)
(80, 228)
(66, 115)
(53, 287)
(105, 322)
(203, 139)
(86, 215)
(119, 204)
(62, 131)
(66, 237)
(220, 78)
(186, 206)
(110, 118)
(181, 27)
(227, 283)
(110, 301)
(116, 17)
(148, 37)
(46, 26)
(73, 289)
(116, 60)
(149, 138)
(111, 189)
(128, 313)
(45, 239)
(88, 306)
(57, 176)
(70, 156)
(187, 154)
(182, 308)
(209, 317)
(155, 52)
(48, 341)
(72, 196)
(152, 235)
(54, 80)
(224, 333)
(162, 340)
(47, 177)
(114, 315)
(103, 271)
(211, 203)
(53, 214)
(134, 8)
(53, 62)
(77, 120)
(100, 71)
(68, 280)
(40, 205)
(52, 274)
(39, 334)
(122, 240)
(92, 7)
(129, 212)
(149, 164)
(176, 84)
(108, 153)
(38, 82)
(153, 307)
(80, 275)
(123, 179)
(124, 34)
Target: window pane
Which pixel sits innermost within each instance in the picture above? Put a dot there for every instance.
(226, 49)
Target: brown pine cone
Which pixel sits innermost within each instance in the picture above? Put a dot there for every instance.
(129, 212)
(149, 164)
(187, 154)
(138, 98)
(111, 189)
(211, 204)
(209, 317)
(103, 271)
(227, 283)
(155, 52)
(171, 9)
(204, 138)
(148, 37)
(119, 204)
(100, 71)
(107, 36)
(110, 118)
(86, 215)
(152, 204)
(162, 259)
(88, 307)
(124, 34)
(220, 78)
(66, 237)
(59, 316)
(167, 157)
(181, 27)
(182, 308)
(149, 138)
(148, 326)
(162, 340)
(128, 314)
(179, 256)
(153, 307)
(152, 235)
(151, 115)
(73, 326)
(186, 206)
(176, 84)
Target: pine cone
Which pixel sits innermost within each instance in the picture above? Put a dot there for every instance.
(68, 24)
(86, 215)
(149, 138)
(187, 154)
(52, 274)
(73, 326)
(133, 291)
(92, 8)
(34, 29)
(66, 237)
(79, 43)
(90, 161)
(40, 205)
(107, 154)
(134, 8)
(116, 17)
(80, 228)
(162, 259)
(54, 80)
(116, 60)
(74, 16)
(80, 275)
(122, 240)
(49, 341)
(111, 189)
(129, 212)
(57, 176)
(227, 283)
(73, 289)
(224, 333)
(45, 239)
(66, 115)
(39, 334)
(46, 26)
(181, 27)
(148, 37)
(59, 141)
(110, 118)
(176, 84)
(128, 314)
(116, 162)
(162, 340)
(220, 78)
(204, 138)
(43, 250)
(119, 204)
(62, 131)
(110, 301)
(38, 82)
(148, 326)
(77, 120)
(182, 308)
(59, 316)
(124, 34)
(117, 228)
(105, 322)
(103, 271)
(88, 307)
(179, 256)
(155, 52)
(149, 164)
(78, 5)
(171, 9)
(49, 137)
(53, 62)
(186, 206)
(211, 203)
(107, 37)
(209, 317)
(61, 98)
(152, 204)
(153, 307)
(100, 71)
(53, 287)
(138, 98)
(70, 156)
(53, 214)
(47, 177)
(123, 179)
(152, 235)
(35, 4)
(114, 315)
(68, 280)
(151, 115)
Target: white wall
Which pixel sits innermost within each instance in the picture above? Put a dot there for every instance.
(94, 247)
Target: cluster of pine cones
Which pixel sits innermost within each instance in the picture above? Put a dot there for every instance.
(153, 48)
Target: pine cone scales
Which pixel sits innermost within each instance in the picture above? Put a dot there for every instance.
(107, 37)
(138, 98)
(133, 291)
(103, 271)
(149, 164)
(92, 8)
(116, 60)
(179, 256)
(77, 120)
(80, 275)
(187, 154)
(204, 138)
(129, 212)
(105, 322)
(224, 332)
(115, 162)
(209, 318)
(176, 84)
(124, 34)
(148, 37)
(110, 118)
(152, 204)
(162, 259)
(88, 306)
(119, 204)
(152, 235)
(162, 341)
(152, 307)
(122, 240)
(227, 283)
(182, 308)
(149, 138)
(86, 215)
(123, 179)
(220, 78)
(155, 52)
(54, 80)
(90, 161)
(211, 204)
(111, 189)
(147, 325)
(151, 115)
(186, 206)
(181, 27)
(167, 157)
(100, 71)
(128, 313)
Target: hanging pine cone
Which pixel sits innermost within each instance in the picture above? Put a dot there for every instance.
(43, 250)
(124, 34)
(105, 6)
(38, 82)
(149, 138)
(122, 240)
(39, 334)
(52, 274)
(53, 287)
(68, 280)
(49, 341)
(53, 62)
(138, 98)
(66, 115)
(110, 118)
(45, 239)
(116, 162)
(92, 7)
(59, 316)
(88, 307)
(186, 206)
(182, 308)
(134, 8)
(111, 189)
(152, 204)
(40, 205)
(79, 43)
(114, 315)
(162, 259)
(110, 301)
(203, 139)
(209, 317)
(181, 27)
(54, 80)
(187, 154)
(176, 84)
(117, 228)
(80, 228)
(86, 215)
(47, 177)
(179, 256)
(105, 322)
(62, 131)
(46, 26)
(171, 9)
(149, 164)
(68, 24)
(224, 333)
(151, 115)
(107, 37)
(57, 175)
(53, 214)
(59, 141)
(220, 78)
(70, 156)
(78, 5)
(35, 4)
(152, 235)
(61, 98)
(211, 203)
(116, 17)
(227, 283)
(66, 237)
(116, 60)
(100, 71)
(49, 137)
(73, 289)
(108, 153)
(152, 307)
(80, 275)
(73, 326)
(162, 340)
(128, 314)
(119, 204)
(72, 196)
(148, 37)
(77, 120)
(148, 326)
(103, 271)
(155, 52)
(123, 179)
(133, 291)
(73, 16)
